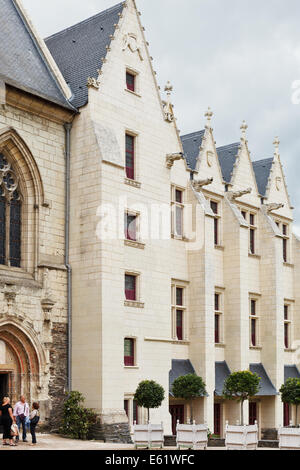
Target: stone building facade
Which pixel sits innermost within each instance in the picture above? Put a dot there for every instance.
(179, 256)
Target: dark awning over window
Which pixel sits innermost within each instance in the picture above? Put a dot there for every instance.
(266, 386)
(179, 367)
(291, 372)
(222, 371)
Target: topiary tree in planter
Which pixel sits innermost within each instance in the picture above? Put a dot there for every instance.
(290, 393)
(149, 394)
(76, 419)
(189, 387)
(241, 386)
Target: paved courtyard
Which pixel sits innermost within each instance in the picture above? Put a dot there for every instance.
(55, 442)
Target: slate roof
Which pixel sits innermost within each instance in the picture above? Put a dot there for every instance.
(227, 156)
(291, 372)
(262, 170)
(78, 50)
(266, 386)
(191, 144)
(22, 63)
(222, 371)
(179, 367)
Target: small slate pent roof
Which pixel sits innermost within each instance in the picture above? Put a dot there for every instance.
(79, 50)
(227, 157)
(266, 386)
(191, 147)
(222, 371)
(179, 367)
(262, 170)
(291, 372)
(22, 63)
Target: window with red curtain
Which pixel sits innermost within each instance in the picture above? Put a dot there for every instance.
(135, 414)
(130, 81)
(217, 302)
(286, 335)
(217, 329)
(217, 419)
(286, 414)
(130, 287)
(130, 227)
(253, 307)
(253, 332)
(129, 352)
(252, 412)
(130, 156)
(179, 324)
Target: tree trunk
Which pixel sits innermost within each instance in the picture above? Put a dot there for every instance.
(242, 412)
(148, 415)
(192, 413)
(296, 414)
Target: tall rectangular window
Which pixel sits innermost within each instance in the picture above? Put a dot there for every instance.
(130, 287)
(215, 208)
(253, 323)
(285, 243)
(177, 209)
(218, 318)
(287, 326)
(130, 226)
(130, 156)
(130, 81)
(129, 352)
(252, 234)
(178, 312)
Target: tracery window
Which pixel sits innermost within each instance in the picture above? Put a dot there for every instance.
(10, 216)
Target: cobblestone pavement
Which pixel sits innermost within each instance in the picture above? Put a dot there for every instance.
(55, 442)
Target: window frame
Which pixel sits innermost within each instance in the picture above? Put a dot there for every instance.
(136, 286)
(175, 206)
(288, 325)
(250, 216)
(254, 319)
(218, 317)
(130, 172)
(136, 215)
(175, 309)
(130, 361)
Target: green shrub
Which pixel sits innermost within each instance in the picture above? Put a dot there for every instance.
(149, 394)
(77, 420)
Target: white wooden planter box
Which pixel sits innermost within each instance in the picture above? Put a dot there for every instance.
(289, 438)
(148, 435)
(241, 437)
(192, 436)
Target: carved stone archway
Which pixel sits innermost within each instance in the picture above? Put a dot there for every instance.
(19, 364)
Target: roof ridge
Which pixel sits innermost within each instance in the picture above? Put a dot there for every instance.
(269, 159)
(228, 146)
(108, 10)
(192, 134)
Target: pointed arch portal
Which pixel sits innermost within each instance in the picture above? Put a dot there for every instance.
(19, 364)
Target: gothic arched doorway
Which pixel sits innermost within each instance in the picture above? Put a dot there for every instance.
(19, 365)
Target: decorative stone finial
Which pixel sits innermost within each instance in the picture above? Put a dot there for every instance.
(276, 144)
(169, 88)
(209, 114)
(168, 108)
(244, 128)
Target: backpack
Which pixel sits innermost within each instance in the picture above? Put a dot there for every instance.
(35, 420)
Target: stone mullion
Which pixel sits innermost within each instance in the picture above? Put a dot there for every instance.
(7, 234)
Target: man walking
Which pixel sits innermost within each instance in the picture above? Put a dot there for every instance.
(21, 412)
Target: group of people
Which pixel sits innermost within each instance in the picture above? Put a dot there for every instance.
(13, 418)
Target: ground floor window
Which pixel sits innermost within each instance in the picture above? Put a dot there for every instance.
(286, 414)
(217, 419)
(132, 410)
(252, 412)
(177, 413)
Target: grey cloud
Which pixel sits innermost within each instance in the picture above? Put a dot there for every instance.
(239, 57)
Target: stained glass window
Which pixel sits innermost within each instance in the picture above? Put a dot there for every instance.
(10, 216)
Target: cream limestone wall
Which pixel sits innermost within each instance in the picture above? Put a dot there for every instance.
(35, 147)
(99, 197)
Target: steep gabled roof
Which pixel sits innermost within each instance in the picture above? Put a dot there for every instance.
(191, 147)
(262, 170)
(22, 63)
(179, 367)
(227, 156)
(79, 50)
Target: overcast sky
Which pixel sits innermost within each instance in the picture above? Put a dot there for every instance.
(240, 57)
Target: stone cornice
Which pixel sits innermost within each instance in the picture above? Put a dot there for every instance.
(35, 105)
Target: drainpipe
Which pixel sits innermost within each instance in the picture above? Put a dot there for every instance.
(68, 127)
